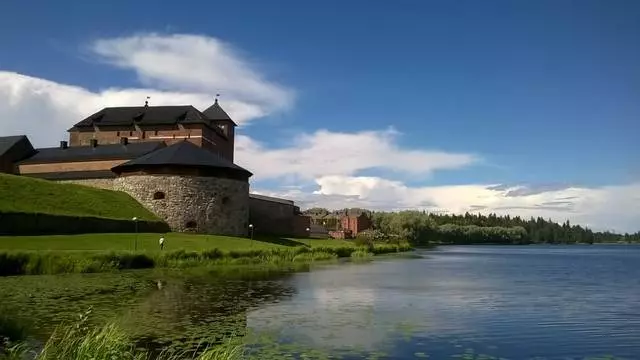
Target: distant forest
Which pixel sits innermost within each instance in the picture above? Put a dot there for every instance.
(420, 227)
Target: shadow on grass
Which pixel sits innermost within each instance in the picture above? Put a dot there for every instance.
(280, 241)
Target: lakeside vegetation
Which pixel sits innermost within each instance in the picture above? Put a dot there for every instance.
(91, 253)
(422, 228)
(108, 342)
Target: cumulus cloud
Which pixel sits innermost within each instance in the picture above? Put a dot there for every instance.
(322, 168)
(324, 153)
(173, 70)
(603, 208)
(184, 62)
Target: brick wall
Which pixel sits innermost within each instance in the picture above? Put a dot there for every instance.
(355, 224)
(199, 135)
(69, 166)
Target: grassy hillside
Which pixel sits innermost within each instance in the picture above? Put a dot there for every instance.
(19, 194)
(149, 242)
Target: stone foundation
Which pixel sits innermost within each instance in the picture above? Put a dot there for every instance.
(192, 204)
(97, 183)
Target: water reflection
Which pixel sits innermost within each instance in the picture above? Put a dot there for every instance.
(158, 309)
(509, 302)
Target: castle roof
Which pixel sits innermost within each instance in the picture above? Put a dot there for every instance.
(183, 154)
(9, 142)
(144, 115)
(215, 112)
(93, 153)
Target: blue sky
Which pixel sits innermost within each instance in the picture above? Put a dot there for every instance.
(539, 93)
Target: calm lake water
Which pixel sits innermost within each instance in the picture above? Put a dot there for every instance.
(512, 302)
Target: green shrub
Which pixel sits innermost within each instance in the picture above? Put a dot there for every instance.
(213, 254)
(10, 327)
(13, 263)
(361, 254)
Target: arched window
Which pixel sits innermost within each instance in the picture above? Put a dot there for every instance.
(225, 200)
(191, 225)
(158, 195)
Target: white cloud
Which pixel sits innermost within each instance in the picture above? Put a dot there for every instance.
(190, 69)
(324, 153)
(185, 62)
(603, 208)
(175, 70)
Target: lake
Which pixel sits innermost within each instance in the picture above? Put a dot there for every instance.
(511, 302)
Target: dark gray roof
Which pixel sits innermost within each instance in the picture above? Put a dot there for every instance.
(8, 142)
(89, 153)
(215, 112)
(271, 199)
(145, 115)
(184, 154)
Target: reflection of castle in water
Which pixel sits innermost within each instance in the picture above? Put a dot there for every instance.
(201, 310)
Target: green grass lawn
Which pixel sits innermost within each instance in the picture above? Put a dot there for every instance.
(20, 194)
(149, 242)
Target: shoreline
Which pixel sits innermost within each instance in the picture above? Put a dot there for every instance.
(52, 262)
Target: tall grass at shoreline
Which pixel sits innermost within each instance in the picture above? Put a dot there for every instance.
(109, 342)
(58, 262)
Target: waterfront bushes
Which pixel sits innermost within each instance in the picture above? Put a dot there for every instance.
(56, 262)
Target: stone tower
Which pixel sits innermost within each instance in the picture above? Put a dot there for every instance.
(190, 188)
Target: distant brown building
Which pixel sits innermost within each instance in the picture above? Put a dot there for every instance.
(355, 223)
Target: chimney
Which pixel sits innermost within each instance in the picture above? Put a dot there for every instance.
(63, 144)
(93, 142)
(124, 141)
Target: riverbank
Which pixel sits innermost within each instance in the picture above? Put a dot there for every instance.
(92, 253)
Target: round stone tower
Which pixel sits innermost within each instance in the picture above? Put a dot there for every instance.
(192, 189)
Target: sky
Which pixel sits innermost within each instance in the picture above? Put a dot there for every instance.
(527, 108)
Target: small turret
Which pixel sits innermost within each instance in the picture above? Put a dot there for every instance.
(220, 118)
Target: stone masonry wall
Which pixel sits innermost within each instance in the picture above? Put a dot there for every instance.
(193, 204)
(97, 183)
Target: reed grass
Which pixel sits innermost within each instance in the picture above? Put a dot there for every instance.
(109, 342)
(57, 262)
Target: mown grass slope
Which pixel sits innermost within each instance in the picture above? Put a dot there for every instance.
(149, 242)
(20, 194)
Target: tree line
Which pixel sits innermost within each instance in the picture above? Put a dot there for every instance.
(420, 227)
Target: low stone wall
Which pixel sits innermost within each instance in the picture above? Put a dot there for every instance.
(97, 183)
(274, 218)
(300, 225)
(192, 204)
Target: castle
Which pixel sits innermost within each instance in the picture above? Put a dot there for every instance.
(177, 161)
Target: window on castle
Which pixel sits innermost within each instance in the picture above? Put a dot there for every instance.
(158, 195)
(225, 200)
(191, 225)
